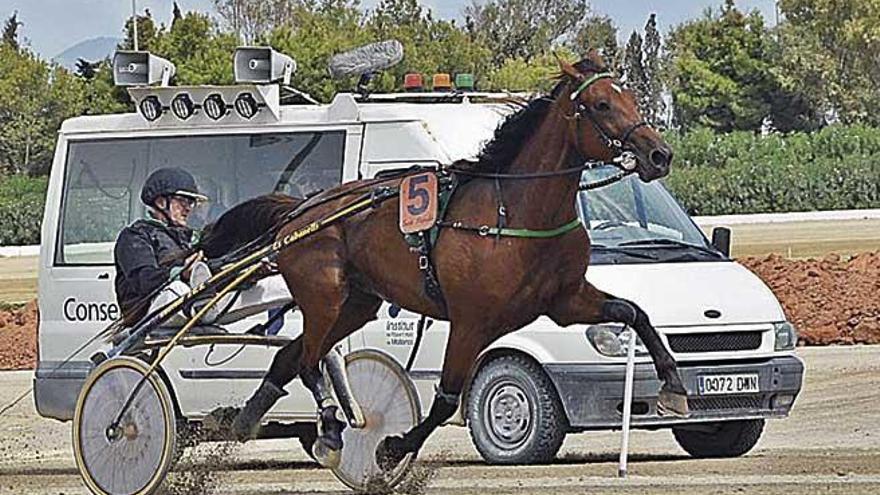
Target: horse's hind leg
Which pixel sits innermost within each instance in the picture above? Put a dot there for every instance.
(590, 305)
(465, 344)
(358, 309)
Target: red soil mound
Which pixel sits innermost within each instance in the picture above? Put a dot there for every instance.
(830, 300)
(18, 337)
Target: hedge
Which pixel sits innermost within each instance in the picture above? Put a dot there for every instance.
(21, 209)
(712, 174)
(835, 168)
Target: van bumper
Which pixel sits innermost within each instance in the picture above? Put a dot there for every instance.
(56, 389)
(592, 395)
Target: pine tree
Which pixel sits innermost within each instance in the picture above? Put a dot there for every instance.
(655, 107)
(634, 69)
(10, 31)
(175, 14)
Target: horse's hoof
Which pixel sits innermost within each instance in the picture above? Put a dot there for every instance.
(389, 453)
(325, 454)
(671, 403)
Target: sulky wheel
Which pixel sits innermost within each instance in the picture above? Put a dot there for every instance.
(390, 404)
(135, 457)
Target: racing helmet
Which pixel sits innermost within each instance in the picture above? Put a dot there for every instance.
(170, 181)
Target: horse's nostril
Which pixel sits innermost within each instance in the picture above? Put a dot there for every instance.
(660, 158)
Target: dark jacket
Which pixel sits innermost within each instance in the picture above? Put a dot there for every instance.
(142, 251)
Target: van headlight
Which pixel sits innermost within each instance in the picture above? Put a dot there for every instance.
(612, 341)
(786, 336)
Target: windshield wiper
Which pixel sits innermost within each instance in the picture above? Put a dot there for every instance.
(629, 252)
(665, 241)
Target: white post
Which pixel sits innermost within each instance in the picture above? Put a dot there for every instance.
(134, 25)
(627, 401)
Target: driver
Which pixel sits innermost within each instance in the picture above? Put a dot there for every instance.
(150, 252)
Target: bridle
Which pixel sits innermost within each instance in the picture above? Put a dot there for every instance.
(618, 145)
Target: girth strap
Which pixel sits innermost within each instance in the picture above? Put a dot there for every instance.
(485, 230)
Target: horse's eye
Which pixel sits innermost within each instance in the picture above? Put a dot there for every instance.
(603, 106)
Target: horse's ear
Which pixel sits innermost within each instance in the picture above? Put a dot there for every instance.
(567, 69)
(596, 58)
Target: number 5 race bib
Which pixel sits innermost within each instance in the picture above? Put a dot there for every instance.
(418, 202)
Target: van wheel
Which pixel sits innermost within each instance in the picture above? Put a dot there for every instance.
(724, 439)
(514, 414)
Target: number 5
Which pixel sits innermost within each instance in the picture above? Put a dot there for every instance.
(417, 191)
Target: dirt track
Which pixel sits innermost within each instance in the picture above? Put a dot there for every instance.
(831, 444)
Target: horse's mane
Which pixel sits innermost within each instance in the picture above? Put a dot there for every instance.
(515, 130)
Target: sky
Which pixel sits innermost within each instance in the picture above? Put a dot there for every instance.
(52, 26)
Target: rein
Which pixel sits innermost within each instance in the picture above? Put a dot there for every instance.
(543, 175)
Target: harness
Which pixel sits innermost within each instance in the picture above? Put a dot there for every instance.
(424, 241)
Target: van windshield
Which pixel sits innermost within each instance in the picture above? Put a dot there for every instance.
(635, 221)
(103, 179)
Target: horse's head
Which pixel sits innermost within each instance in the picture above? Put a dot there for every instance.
(606, 123)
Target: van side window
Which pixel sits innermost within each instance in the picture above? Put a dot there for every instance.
(103, 180)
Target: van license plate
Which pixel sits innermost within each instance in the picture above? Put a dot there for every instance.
(728, 384)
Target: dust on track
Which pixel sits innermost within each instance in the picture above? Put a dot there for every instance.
(831, 444)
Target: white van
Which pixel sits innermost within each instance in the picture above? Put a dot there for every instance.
(723, 325)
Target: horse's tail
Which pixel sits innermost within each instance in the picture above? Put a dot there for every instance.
(245, 223)
(240, 225)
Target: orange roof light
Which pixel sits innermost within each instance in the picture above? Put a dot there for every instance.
(442, 82)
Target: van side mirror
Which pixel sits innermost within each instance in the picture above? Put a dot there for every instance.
(721, 239)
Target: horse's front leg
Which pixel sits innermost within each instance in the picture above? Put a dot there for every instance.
(590, 305)
(464, 345)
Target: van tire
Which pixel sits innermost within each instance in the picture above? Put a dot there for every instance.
(729, 438)
(515, 386)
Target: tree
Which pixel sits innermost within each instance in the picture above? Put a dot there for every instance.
(430, 45)
(10, 31)
(598, 32)
(175, 14)
(828, 53)
(146, 30)
(723, 76)
(538, 75)
(634, 69)
(523, 29)
(36, 98)
(250, 20)
(201, 53)
(654, 108)
(313, 36)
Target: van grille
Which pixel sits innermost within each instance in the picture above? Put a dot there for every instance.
(715, 342)
(750, 402)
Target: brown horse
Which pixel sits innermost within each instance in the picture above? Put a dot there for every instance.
(492, 286)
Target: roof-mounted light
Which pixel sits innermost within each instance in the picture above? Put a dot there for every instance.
(442, 82)
(412, 82)
(214, 106)
(132, 68)
(207, 105)
(464, 82)
(257, 64)
(246, 106)
(183, 106)
(151, 108)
